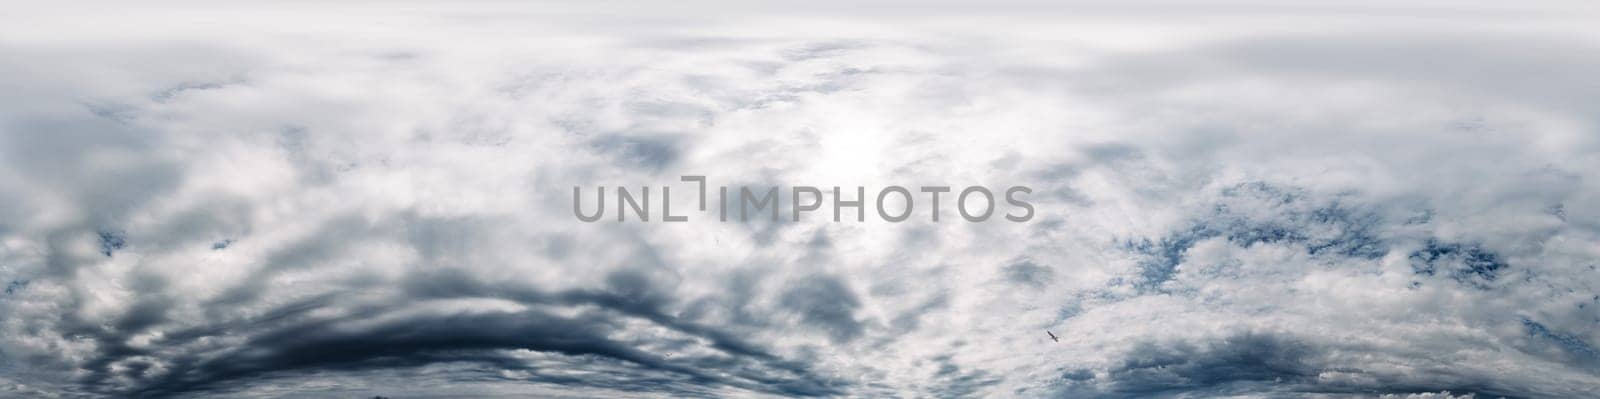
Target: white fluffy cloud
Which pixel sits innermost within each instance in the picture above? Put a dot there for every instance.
(1233, 199)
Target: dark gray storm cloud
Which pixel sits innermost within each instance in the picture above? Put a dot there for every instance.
(1246, 363)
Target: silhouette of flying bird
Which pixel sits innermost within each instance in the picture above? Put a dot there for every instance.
(1052, 336)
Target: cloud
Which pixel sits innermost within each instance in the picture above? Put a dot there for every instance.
(1232, 200)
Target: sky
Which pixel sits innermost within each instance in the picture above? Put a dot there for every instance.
(1234, 199)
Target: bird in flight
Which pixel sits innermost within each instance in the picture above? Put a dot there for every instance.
(1052, 336)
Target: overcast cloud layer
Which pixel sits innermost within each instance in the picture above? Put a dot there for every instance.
(1254, 199)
